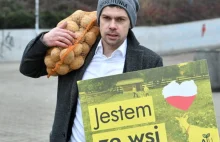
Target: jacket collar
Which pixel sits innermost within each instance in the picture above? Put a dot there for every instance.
(134, 55)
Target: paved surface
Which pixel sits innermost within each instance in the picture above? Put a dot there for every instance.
(27, 105)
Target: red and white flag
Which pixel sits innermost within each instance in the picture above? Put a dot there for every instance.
(181, 95)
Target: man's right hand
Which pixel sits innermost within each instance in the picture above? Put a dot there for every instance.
(59, 36)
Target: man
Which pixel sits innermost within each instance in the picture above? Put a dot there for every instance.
(134, 90)
(115, 51)
(146, 90)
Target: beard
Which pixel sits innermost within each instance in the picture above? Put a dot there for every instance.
(113, 40)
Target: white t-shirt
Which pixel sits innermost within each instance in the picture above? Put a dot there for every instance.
(100, 66)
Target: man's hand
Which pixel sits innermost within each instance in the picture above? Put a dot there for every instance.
(59, 36)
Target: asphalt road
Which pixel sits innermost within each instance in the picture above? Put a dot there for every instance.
(27, 105)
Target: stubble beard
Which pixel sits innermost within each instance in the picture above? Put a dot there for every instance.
(112, 43)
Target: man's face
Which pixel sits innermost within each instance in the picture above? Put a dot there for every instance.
(114, 26)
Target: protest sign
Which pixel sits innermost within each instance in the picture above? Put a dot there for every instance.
(177, 107)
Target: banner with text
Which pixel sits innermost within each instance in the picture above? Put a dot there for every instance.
(168, 104)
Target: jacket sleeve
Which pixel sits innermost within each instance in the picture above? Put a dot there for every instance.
(159, 62)
(32, 62)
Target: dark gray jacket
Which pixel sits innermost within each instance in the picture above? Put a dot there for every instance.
(32, 65)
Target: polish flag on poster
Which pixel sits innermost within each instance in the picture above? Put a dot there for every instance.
(181, 95)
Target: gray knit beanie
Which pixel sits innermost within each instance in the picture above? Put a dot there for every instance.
(130, 6)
